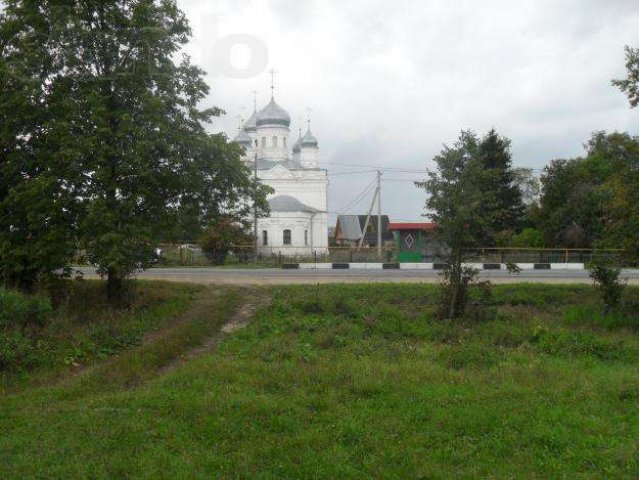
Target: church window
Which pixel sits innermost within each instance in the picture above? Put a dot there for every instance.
(284, 142)
(306, 237)
(274, 142)
(264, 142)
(265, 237)
(286, 237)
(256, 142)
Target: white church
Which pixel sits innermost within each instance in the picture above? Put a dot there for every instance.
(297, 225)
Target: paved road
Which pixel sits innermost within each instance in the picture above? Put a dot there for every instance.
(269, 276)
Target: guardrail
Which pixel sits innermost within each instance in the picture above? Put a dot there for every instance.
(244, 255)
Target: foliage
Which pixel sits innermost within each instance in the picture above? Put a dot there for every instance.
(20, 311)
(375, 388)
(527, 238)
(502, 186)
(629, 85)
(83, 329)
(593, 201)
(111, 144)
(527, 183)
(36, 213)
(456, 203)
(221, 238)
(605, 274)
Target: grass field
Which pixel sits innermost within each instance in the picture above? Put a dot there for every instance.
(346, 381)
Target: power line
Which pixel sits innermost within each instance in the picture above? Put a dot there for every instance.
(359, 198)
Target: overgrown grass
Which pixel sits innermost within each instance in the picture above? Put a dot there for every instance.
(356, 381)
(37, 341)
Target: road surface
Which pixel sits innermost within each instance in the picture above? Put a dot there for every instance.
(273, 276)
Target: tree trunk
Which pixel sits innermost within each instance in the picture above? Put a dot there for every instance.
(115, 287)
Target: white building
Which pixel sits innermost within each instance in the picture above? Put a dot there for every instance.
(297, 225)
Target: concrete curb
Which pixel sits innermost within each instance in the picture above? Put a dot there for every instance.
(428, 266)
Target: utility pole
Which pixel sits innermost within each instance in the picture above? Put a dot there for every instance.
(379, 218)
(255, 205)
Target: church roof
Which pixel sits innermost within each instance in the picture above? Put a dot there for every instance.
(287, 203)
(273, 114)
(250, 124)
(309, 140)
(288, 164)
(243, 138)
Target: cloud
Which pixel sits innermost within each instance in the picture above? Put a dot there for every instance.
(390, 82)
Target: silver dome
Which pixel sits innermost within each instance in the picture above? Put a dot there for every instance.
(309, 140)
(287, 203)
(250, 125)
(296, 146)
(243, 139)
(273, 114)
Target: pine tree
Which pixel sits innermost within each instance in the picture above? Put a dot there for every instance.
(504, 207)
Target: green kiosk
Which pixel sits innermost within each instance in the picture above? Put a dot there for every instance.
(414, 241)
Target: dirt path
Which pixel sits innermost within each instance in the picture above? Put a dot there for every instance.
(254, 299)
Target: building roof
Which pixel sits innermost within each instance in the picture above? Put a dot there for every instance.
(412, 226)
(350, 227)
(243, 138)
(289, 164)
(273, 114)
(250, 125)
(308, 140)
(287, 203)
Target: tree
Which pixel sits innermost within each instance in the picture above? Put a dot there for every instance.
(37, 206)
(503, 206)
(528, 184)
(629, 85)
(456, 203)
(225, 235)
(121, 108)
(592, 201)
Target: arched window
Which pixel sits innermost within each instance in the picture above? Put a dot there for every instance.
(264, 142)
(274, 141)
(286, 237)
(265, 237)
(306, 237)
(284, 142)
(256, 142)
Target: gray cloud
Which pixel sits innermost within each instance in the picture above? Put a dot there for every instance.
(390, 82)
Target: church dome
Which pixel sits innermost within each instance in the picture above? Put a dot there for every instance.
(250, 124)
(308, 140)
(243, 138)
(273, 114)
(296, 146)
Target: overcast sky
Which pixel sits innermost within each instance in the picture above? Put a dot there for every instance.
(388, 83)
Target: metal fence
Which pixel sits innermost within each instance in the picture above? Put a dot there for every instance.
(244, 255)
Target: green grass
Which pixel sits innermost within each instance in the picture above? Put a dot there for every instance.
(83, 330)
(352, 381)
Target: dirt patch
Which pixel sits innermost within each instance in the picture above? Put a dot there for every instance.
(240, 319)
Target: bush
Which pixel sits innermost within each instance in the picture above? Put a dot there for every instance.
(606, 276)
(18, 310)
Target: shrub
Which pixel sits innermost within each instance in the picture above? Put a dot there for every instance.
(606, 276)
(18, 310)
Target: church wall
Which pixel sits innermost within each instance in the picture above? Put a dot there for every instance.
(309, 157)
(269, 152)
(297, 222)
(310, 191)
